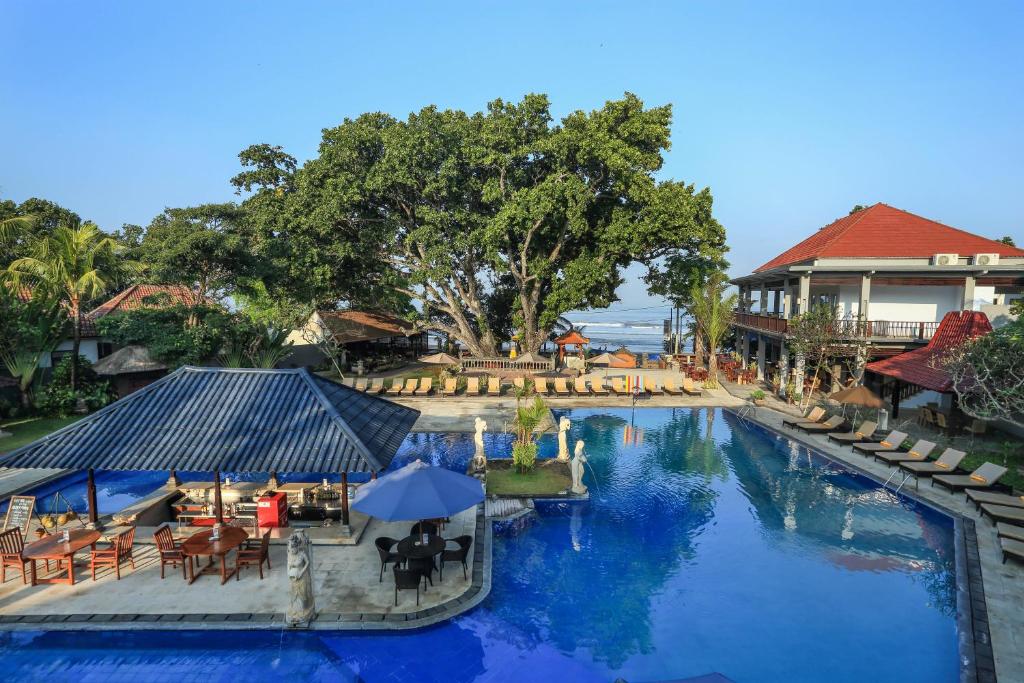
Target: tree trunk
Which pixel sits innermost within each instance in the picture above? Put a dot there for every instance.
(698, 347)
(712, 371)
(75, 345)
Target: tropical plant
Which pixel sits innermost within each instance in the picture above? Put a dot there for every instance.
(74, 265)
(264, 348)
(166, 332)
(818, 337)
(987, 374)
(524, 448)
(29, 329)
(60, 398)
(712, 310)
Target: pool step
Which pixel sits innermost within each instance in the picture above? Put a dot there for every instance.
(508, 508)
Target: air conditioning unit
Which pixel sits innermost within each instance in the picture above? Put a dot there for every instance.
(986, 259)
(945, 259)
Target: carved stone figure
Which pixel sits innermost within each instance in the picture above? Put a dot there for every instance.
(579, 459)
(563, 448)
(301, 608)
(479, 456)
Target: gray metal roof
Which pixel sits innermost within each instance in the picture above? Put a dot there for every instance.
(234, 420)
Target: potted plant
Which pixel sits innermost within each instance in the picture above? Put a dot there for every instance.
(758, 397)
(791, 394)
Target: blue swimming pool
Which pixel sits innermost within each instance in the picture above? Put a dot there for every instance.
(708, 544)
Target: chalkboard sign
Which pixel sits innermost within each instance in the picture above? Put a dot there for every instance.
(19, 513)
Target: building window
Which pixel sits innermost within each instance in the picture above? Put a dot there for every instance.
(104, 349)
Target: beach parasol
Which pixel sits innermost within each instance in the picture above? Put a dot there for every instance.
(439, 359)
(531, 357)
(859, 396)
(416, 492)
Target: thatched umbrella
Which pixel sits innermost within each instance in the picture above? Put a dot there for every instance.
(531, 357)
(439, 359)
(602, 359)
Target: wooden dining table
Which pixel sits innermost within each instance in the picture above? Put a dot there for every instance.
(53, 547)
(202, 544)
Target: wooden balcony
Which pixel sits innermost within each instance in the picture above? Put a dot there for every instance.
(882, 330)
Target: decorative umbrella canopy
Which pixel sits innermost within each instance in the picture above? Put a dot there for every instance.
(440, 359)
(418, 491)
(858, 396)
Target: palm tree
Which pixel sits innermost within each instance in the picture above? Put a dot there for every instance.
(713, 312)
(74, 265)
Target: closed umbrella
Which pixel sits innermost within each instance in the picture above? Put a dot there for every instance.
(418, 491)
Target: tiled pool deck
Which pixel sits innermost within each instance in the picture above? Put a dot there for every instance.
(347, 597)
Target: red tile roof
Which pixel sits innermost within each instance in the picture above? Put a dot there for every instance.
(132, 299)
(923, 366)
(883, 231)
(572, 337)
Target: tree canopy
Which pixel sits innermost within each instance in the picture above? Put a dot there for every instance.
(489, 221)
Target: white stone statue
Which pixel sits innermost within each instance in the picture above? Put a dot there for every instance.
(479, 456)
(563, 448)
(576, 468)
(302, 608)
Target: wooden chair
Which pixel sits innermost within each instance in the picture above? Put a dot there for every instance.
(580, 386)
(11, 547)
(670, 388)
(472, 386)
(450, 387)
(598, 388)
(494, 386)
(561, 388)
(618, 386)
(410, 387)
(651, 387)
(540, 386)
(120, 550)
(375, 386)
(170, 552)
(396, 387)
(426, 386)
(253, 555)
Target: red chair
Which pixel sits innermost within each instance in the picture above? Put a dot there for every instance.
(170, 552)
(253, 556)
(11, 547)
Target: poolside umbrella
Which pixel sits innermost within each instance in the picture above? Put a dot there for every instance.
(859, 396)
(603, 359)
(418, 491)
(439, 359)
(531, 357)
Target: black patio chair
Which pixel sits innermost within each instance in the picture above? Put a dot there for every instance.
(407, 579)
(384, 546)
(423, 528)
(460, 555)
(423, 565)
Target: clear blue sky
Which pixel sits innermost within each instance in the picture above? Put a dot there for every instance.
(790, 112)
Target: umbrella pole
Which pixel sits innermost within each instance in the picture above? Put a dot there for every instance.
(344, 498)
(219, 509)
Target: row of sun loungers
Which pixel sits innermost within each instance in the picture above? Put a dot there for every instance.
(544, 386)
(1004, 509)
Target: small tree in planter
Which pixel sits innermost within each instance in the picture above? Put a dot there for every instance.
(757, 396)
(524, 448)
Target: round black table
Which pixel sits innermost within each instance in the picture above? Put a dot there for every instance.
(408, 547)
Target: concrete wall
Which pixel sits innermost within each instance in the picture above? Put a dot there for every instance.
(897, 302)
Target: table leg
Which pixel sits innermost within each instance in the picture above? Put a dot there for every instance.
(33, 571)
(70, 559)
(223, 569)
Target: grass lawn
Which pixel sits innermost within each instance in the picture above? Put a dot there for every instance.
(543, 480)
(27, 430)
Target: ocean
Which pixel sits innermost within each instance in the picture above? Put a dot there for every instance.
(640, 330)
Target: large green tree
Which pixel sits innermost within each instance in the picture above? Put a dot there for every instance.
(201, 247)
(24, 223)
(478, 217)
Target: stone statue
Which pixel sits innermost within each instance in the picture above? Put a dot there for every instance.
(576, 468)
(301, 609)
(479, 456)
(563, 448)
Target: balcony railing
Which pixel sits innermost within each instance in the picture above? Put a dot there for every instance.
(874, 329)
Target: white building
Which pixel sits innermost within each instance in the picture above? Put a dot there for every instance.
(892, 276)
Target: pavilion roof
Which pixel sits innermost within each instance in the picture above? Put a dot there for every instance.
(571, 337)
(923, 366)
(233, 420)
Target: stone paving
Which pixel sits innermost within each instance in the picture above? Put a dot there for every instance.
(346, 582)
(1003, 586)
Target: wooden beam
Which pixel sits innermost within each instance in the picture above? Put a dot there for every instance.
(90, 494)
(344, 498)
(218, 507)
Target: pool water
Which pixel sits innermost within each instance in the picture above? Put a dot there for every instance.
(708, 544)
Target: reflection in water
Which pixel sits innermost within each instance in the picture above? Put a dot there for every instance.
(707, 545)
